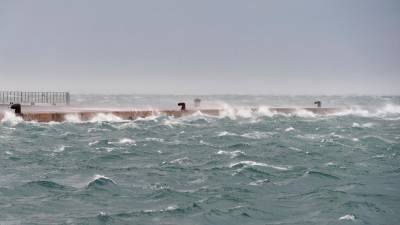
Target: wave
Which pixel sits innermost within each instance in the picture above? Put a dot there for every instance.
(154, 117)
(236, 112)
(61, 148)
(99, 117)
(348, 217)
(257, 135)
(253, 163)
(44, 184)
(169, 209)
(258, 182)
(100, 180)
(72, 118)
(106, 117)
(123, 141)
(289, 129)
(225, 133)
(193, 119)
(153, 139)
(387, 110)
(181, 161)
(11, 118)
(232, 154)
(364, 125)
(321, 174)
(172, 121)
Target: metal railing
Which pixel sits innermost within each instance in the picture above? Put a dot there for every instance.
(32, 98)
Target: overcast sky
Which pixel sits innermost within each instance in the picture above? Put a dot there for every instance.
(201, 47)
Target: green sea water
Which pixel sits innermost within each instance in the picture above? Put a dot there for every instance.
(242, 167)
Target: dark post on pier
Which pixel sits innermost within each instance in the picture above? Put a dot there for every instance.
(32, 98)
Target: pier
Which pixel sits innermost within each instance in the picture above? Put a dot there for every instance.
(55, 106)
(59, 114)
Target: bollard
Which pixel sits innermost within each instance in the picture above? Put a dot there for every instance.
(182, 105)
(197, 102)
(17, 108)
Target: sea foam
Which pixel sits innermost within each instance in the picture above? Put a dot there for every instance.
(11, 118)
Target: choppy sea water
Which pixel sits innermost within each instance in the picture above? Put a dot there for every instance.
(242, 167)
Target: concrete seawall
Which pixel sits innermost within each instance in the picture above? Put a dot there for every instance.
(59, 114)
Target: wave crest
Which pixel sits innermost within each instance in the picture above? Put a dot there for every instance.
(100, 180)
(11, 118)
(252, 163)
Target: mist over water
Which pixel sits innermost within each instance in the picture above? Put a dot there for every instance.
(243, 167)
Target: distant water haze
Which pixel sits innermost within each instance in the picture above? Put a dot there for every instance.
(201, 47)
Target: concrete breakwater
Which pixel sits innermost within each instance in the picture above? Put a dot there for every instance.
(61, 114)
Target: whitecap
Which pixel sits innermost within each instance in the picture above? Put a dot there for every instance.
(105, 117)
(256, 135)
(365, 125)
(233, 113)
(253, 163)
(124, 141)
(184, 160)
(389, 109)
(386, 110)
(330, 164)
(206, 143)
(93, 143)
(154, 139)
(129, 124)
(244, 112)
(172, 121)
(295, 149)
(355, 110)
(227, 112)
(168, 208)
(11, 118)
(289, 129)
(72, 118)
(348, 217)
(98, 177)
(304, 113)
(379, 156)
(61, 148)
(265, 111)
(225, 133)
(258, 182)
(232, 154)
(154, 117)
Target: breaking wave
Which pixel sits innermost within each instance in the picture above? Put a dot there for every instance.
(11, 118)
(72, 118)
(99, 117)
(348, 217)
(127, 141)
(106, 117)
(252, 163)
(100, 180)
(387, 110)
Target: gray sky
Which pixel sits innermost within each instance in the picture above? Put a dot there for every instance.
(201, 47)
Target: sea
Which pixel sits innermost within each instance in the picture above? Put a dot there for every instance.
(242, 167)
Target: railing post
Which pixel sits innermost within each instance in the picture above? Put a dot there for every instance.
(67, 98)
